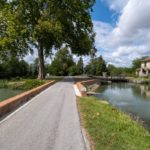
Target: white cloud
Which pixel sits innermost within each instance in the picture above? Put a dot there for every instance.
(116, 5)
(30, 58)
(102, 31)
(130, 38)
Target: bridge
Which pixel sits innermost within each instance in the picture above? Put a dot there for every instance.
(112, 78)
(103, 79)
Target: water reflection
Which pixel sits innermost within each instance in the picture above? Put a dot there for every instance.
(131, 98)
(145, 90)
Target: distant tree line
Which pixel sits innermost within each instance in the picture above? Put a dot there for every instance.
(127, 71)
(96, 66)
(63, 64)
(16, 67)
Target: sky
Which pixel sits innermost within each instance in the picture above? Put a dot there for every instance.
(122, 30)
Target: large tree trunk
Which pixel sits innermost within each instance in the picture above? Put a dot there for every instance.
(41, 68)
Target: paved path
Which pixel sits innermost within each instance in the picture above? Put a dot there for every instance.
(49, 122)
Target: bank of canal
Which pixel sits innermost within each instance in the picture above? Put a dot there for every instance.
(12, 88)
(128, 97)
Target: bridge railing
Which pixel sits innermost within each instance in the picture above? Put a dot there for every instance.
(111, 77)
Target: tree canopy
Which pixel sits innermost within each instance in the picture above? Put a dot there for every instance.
(96, 66)
(46, 24)
(136, 63)
(62, 62)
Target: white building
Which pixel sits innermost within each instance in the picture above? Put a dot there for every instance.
(144, 71)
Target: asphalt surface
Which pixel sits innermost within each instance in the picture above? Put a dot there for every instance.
(49, 122)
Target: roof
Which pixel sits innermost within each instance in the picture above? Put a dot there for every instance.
(146, 59)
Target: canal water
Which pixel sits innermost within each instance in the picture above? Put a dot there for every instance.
(7, 93)
(128, 97)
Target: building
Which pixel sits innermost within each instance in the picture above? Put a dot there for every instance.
(144, 71)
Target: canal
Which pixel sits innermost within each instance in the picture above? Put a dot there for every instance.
(128, 97)
(7, 93)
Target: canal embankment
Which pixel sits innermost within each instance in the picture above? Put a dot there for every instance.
(84, 86)
(108, 126)
(12, 103)
(10, 88)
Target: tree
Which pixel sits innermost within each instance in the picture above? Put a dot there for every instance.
(137, 63)
(96, 66)
(73, 70)
(51, 23)
(118, 71)
(2, 71)
(13, 36)
(80, 66)
(100, 66)
(33, 68)
(61, 63)
(13, 67)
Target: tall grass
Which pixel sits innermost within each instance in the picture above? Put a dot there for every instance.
(26, 84)
(29, 84)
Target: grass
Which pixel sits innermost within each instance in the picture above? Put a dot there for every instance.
(17, 86)
(25, 84)
(110, 129)
(3, 83)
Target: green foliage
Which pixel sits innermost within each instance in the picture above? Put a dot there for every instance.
(73, 70)
(119, 71)
(3, 83)
(13, 67)
(21, 84)
(45, 24)
(111, 129)
(33, 69)
(13, 35)
(62, 62)
(29, 84)
(80, 66)
(127, 71)
(136, 64)
(96, 66)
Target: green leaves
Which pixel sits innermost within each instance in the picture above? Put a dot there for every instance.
(46, 24)
(13, 36)
(96, 66)
(62, 63)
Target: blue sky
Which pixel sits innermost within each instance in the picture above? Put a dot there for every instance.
(121, 34)
(101, 12)
(122, 30)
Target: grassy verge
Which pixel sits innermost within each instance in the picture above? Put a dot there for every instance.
(111, 129)
(25, 84)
